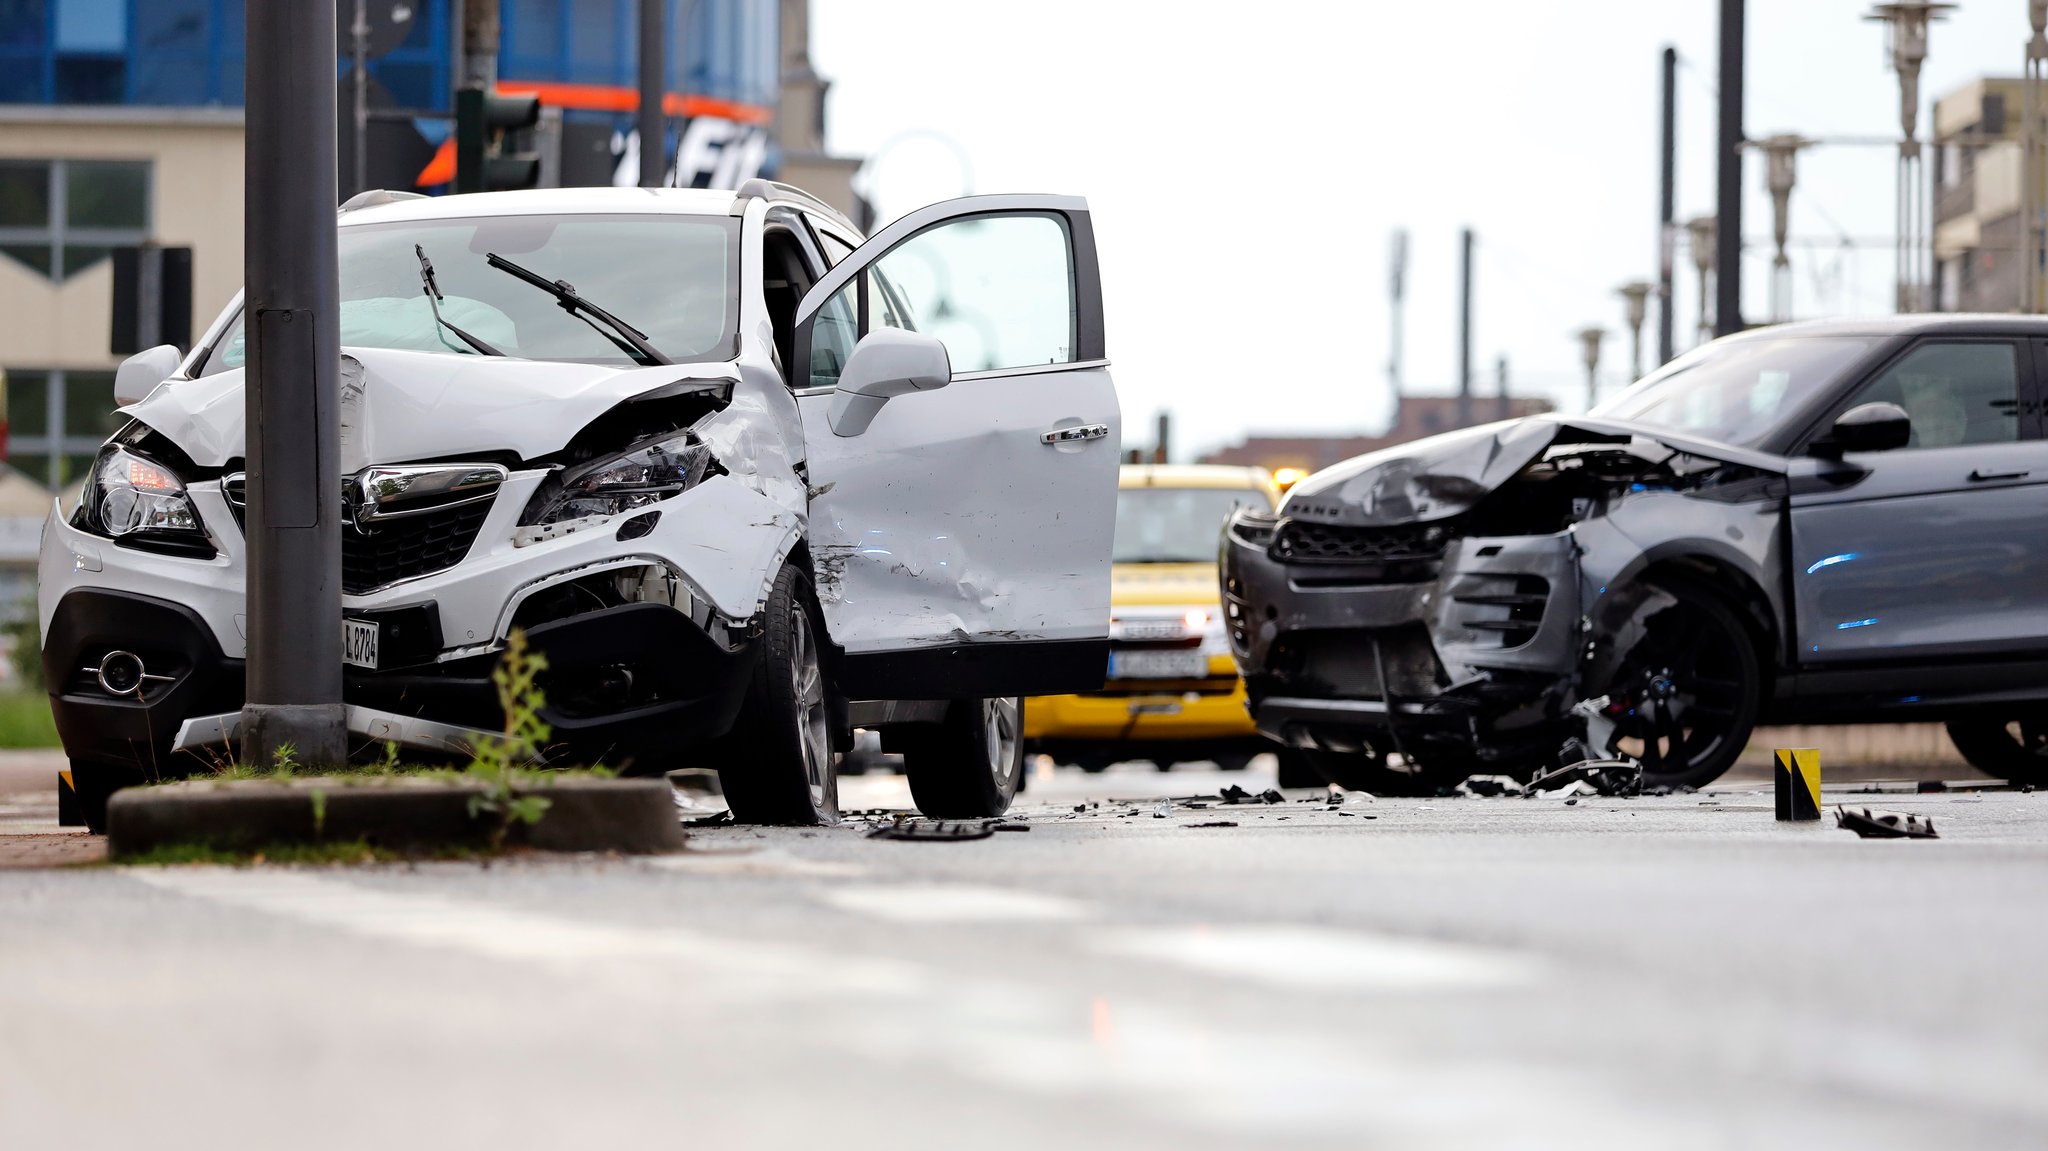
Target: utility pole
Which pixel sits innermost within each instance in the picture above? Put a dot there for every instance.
(292, 395)
(479, 44)
(653, 82)
(1500, 388)
(2033, 146)
(1906, 23)
(1465, 334)
(1667, 205)
(1705, 251)
(1162, 447)
(1397, 293)
(1781, 175)
(1589, 346)
(1728, 177)
(1636, 293)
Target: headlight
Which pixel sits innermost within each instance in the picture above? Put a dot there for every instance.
(137, 500)
(647, 474)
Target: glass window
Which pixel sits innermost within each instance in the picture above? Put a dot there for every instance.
(998, 291)
(28, 402)
(24, 194)
(21, 23)
(1176, 525)
(833, 335)
(92, 25)
(61, 217)
(598, 49)
(1955, 393)
(670, 277)
(836, 249)
(34, 465)
(1737, 391)
(89, 405)
(106, 194)
(89, 80)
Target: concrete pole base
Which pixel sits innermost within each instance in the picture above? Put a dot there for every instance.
(316, 734)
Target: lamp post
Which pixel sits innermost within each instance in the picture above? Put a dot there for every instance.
(1637, 294)
(1589, 343)
(1700, 234)
(1781, 172)
(1906, 23)
(2033, 145)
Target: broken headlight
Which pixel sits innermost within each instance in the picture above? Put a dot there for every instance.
(140, 502)
(646, 474)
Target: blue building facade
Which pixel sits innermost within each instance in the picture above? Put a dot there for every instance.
(188, 53)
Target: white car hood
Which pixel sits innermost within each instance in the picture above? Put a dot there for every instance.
(399, 406)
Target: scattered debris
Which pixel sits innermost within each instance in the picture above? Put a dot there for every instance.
(951, 831)
(1272, 795)
(1488, 786)
(1571, 802)
(1012, 826)
(1080, 807)
(1234, 795)
(1870, 824)
(1164, 809)
(1213, 823)
(1572, 790)
(1617, 777)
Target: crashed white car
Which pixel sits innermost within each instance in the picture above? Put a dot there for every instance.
(748, 481)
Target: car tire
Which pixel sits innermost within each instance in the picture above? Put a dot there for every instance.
(784, 726)
(1232, 760)
(1293, 769)
(969, 765)
(1695, 653)
(2013, 750)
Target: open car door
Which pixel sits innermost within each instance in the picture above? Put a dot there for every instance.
(963, 440)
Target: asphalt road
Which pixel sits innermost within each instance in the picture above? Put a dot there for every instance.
(1675, 972)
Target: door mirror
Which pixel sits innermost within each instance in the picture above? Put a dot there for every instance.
(887, 362)
(1875, 427)
(140, 373)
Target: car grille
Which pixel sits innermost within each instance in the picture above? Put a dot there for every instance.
(1342, 664)
(396, 548)
(1300, 542)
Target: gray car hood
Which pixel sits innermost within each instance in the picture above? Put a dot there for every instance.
(398, 406)
(1445, 475)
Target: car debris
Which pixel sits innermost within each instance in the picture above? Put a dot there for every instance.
(1213, 823)
(934, 830)
(1489, 786)
(1869, 823)
(1612, 777)
(1164, 810)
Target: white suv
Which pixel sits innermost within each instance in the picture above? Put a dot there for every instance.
(682, 439)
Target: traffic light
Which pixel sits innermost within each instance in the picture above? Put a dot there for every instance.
(484, 122)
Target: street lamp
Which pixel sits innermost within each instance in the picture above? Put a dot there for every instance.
(1781, 172)
(1637, 293)
(1589, 341)
(1700, 233)
(1906, 23)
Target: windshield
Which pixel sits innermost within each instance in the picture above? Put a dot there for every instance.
(1735, 391)
(669, 276)
(1176, 525)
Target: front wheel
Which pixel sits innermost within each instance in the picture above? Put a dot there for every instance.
(1684, 698)
(785, 726)
(2012, 750)
(969, 765)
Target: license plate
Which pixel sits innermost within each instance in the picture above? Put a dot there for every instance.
(359, 643)
(1158, 665)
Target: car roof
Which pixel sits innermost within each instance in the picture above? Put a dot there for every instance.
(391, 208)
(1194, 476)
(1945, 323)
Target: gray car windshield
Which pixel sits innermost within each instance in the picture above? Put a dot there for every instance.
(1736, 391)
(669, 276)
(1176, 525)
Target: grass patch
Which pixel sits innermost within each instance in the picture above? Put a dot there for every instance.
(354, 851)
(25, 720)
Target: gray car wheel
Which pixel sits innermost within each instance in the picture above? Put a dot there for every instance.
(784, 732)
(970, 765)
(2013, 750)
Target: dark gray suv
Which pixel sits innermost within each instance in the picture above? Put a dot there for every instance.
(1840, 521)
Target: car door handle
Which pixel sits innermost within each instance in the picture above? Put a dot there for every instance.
(1069, 435)
(1980, 476)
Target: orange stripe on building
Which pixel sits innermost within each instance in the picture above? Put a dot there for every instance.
(440, 169)
(619, 98)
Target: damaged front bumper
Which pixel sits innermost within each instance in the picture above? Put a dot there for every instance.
(1349, 637)
(645, 618)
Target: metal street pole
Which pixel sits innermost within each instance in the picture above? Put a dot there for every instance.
(2033, 146)
(1906, 23)
(1589, 345)
(1465, 334)
(1667, 205)
(1705, 250)
(359, 90)
(1637, 295)
(1500, 388)
(1728, 176)
(1397, 294)
(292, 395)
(479, 44)
(1781, 175)
(653, 124)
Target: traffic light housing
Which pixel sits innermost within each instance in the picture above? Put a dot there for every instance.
(484, 123)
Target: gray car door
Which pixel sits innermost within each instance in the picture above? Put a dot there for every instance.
(1937, 550)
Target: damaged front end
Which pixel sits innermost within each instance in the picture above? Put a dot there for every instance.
(1446, 605)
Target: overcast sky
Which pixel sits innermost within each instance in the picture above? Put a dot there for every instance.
(1246, 164)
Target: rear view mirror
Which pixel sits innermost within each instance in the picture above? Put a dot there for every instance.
(887, 362)
(140, 373)
(1877, 427)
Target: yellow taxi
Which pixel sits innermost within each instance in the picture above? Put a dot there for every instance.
(1172, 694)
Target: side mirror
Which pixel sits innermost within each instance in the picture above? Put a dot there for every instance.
(140, 373)
(1877, 427)
(887, 362)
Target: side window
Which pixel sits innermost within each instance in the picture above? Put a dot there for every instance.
(1956, 393)
(833, 334)
(998, 291)
(836, 249)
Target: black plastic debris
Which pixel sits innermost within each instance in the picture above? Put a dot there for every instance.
(1213, 823)
(1870, 824)
(1272, 795)
(1080, 807)
(1012, 826)
(1488, 786)
(1612, 777)
(1234, 795)
(934, 830)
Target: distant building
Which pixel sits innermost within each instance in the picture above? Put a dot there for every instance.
(1977, 197)
(1419, 416)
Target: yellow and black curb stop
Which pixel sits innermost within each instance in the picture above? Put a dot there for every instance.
(1798, 779)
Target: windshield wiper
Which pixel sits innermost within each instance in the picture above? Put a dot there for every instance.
(630, 339)
(434, 298)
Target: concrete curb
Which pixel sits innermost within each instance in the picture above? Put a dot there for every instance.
(634, 816)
